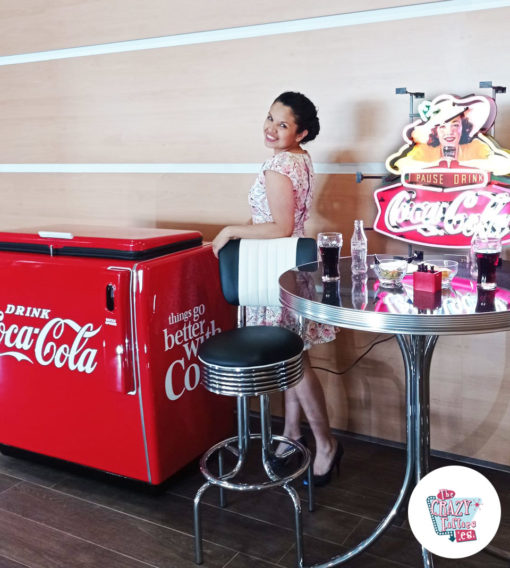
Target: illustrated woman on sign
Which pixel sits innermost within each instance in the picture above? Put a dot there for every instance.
(451, 129)
(280, 201)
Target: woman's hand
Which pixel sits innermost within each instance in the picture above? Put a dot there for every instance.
(220, 240)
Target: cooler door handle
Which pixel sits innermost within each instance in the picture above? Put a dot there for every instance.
(118, 352)
(110, 297)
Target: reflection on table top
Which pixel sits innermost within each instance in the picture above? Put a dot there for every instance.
(360, 302)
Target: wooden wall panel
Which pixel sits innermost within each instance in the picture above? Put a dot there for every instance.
(39, 25)
(141, 200)
(206, 103)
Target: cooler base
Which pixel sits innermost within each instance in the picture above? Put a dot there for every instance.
(93, 473)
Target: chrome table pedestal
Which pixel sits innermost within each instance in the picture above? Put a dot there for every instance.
(417, 352)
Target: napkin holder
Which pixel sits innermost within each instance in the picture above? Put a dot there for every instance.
(426, 289)
(427, 281)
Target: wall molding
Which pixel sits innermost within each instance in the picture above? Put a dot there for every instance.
(444, 7)
(198, 168)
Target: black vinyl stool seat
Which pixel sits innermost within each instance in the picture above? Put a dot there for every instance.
(254, 361)
(251, 361)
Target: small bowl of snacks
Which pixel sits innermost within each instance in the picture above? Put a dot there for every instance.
(448, 269)
(390, 270)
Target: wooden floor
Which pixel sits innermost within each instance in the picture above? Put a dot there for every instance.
(52, 516)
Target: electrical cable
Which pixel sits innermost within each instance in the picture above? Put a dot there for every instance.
(372, 341)
(357, 360)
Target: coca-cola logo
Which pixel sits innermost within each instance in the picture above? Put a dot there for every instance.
(185, 332)
(60, 342)
(442, 218)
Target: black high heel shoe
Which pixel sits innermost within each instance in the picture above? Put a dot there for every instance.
(290, 449)
(325, 478)
(280, 461)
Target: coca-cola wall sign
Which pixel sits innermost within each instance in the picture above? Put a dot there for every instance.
(452, 177)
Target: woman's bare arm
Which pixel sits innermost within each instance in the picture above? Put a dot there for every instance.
(280, 197)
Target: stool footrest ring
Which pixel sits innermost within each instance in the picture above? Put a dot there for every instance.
(278, 482)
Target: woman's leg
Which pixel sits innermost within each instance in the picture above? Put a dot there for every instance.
(310, 396)
(292, 428)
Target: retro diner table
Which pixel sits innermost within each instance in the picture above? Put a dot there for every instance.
(356, 303)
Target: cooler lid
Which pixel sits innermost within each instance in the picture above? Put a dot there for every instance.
(125, 243)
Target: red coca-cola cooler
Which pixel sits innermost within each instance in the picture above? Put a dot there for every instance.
(99, 329)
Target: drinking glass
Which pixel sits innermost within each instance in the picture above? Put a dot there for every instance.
(487, 251)
(331, 293)
(329, 247)
(485, 300)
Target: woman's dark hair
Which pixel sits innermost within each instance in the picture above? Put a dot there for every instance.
(465, 136)
(304, 112)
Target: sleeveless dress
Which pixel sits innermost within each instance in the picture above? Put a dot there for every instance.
(299, 168)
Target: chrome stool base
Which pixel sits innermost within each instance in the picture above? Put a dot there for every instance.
(238, 446)
(248, 362)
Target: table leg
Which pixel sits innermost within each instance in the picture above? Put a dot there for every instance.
(407, 484)
(417, 352)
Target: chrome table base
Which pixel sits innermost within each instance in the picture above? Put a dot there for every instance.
(417, 353)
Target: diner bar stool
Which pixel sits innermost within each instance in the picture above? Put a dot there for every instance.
(255, 361)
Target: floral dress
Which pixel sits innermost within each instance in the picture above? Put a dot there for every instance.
(299, 168)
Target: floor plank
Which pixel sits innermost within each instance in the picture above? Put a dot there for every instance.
(8, 563)
(38, 546)
(124, 534)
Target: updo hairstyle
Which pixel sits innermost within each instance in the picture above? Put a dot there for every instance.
(304, 112)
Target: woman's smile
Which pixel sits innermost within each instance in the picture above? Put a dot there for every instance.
(449, 133)
(280, 129)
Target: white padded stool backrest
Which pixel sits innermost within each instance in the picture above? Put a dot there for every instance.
(261, 262)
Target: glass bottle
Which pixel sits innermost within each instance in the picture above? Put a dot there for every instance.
(359, 292)
(478, 233)
(359, 249)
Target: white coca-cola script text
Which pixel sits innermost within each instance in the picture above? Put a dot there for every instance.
(47, 346)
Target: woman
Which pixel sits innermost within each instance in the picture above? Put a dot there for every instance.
(280, 201)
